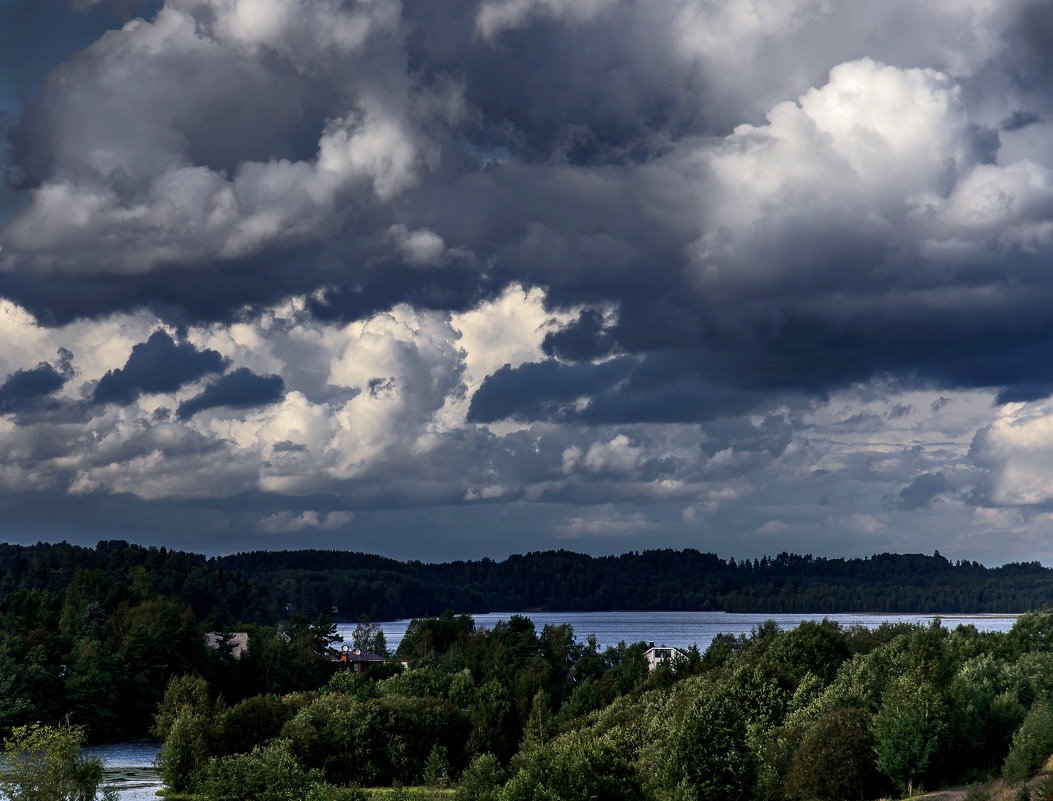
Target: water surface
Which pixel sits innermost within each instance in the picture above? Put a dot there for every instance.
(129, 766)
(682, 629)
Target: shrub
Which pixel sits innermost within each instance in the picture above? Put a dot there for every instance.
(482, 780)
(251, 722)
(579, 768)
(44, 763)
(1043, 790)
(268, 773)
(1032, 744)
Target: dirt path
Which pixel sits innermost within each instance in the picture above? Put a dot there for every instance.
(946, 794)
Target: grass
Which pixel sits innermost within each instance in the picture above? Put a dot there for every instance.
(418, 793)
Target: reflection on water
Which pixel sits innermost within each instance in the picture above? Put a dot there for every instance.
(129, 767)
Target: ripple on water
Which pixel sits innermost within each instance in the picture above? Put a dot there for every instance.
(129, 767)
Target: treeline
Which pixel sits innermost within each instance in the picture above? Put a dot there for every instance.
(262, 587)
(669, 580)
(212, 593)
(817, 713)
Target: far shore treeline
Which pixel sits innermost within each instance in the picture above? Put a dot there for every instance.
(264, 586)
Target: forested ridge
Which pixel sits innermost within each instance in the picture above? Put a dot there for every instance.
(386, 589)
(262, 586)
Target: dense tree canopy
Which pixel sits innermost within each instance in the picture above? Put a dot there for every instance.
(817, 713)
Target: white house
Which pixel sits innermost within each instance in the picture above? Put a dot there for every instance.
(663, 654)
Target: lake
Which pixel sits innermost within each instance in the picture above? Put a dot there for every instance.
(682, 629)
(129, 767)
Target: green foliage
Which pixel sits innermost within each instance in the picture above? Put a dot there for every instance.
(538, 729)
(423, 682)
(15, 703)
(763, 688)
(376, 741)
(44, 763)
(482, 780)
(1032, 631)
(584, 699)
(835, 761)
(432, 637)
(437, 768)
(250, 722)
(356, 685)
(1032, 744)
(575, 768)
(462, 689)
(492, 726)
(185, 750)
(182, 691)
(100, 633)
(319, 791)
(816, 648)
(268, 773)
(710, 759)
(907, 740)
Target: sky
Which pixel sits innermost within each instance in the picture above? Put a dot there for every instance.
(481, 277)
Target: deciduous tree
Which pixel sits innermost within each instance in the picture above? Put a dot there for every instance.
(45, 763)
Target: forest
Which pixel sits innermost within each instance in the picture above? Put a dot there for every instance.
(669, 580)
(110, 641)
(818, 712)
(264, 586)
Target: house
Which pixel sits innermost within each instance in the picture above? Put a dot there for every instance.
(236, 641)
(358, 661)
(663, 654)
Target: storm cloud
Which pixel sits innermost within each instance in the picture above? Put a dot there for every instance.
(239, 389)
(157, 365)
(743, 276)
(24, 389)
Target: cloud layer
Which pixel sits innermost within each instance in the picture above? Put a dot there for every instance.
(741, 276)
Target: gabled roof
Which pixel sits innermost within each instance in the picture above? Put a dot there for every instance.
(680, 651)
(355, 655)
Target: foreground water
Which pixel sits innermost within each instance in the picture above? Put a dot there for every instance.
(682, 629)
(129, 767)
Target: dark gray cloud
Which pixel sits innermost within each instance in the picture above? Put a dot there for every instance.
(157, 365)
(239, 389)
(543, 390)
(24, 390)
(585, 338)
(921, 491)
